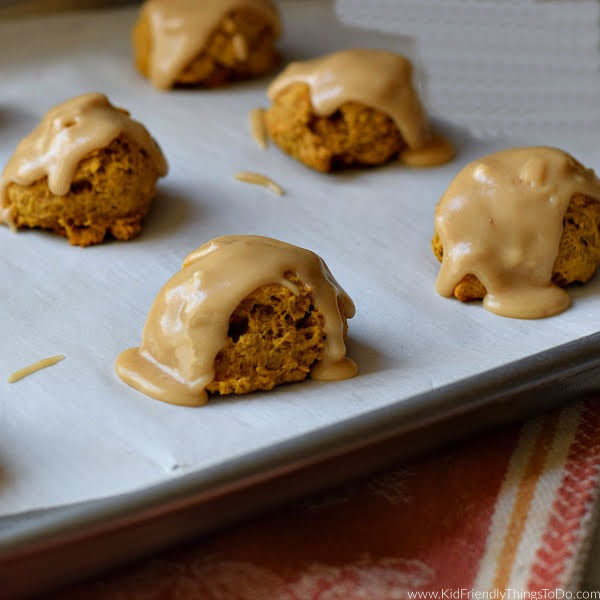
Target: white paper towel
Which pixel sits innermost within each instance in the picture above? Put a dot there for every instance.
(75, 431)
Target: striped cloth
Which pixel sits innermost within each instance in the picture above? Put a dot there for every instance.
(508, 513)
(543, 518)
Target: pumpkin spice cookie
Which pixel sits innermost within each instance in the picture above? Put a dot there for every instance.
(514, 226)
(244, 313)
(354, 107)
(88, 169)
(205, 42)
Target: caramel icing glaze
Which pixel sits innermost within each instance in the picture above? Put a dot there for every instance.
(65, 135)
(188, 322)
(181, 28)
(378, 79)
(501, 220)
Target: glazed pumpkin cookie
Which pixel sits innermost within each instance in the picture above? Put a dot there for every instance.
(205, 42)
(354, 107)
(87, 169)
(514, 226)
(244, 313)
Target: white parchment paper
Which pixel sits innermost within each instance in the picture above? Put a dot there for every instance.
(75, 431)
(501, 67)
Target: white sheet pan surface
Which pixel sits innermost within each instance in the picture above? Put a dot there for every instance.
(75, 431)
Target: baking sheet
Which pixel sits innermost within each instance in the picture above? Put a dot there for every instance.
(75, 432)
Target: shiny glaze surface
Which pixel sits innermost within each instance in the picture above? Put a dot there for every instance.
(501, 219)
(65, 135)
(189, 319)
(181, 28)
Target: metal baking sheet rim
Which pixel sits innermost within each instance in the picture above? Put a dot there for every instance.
(42, 531)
